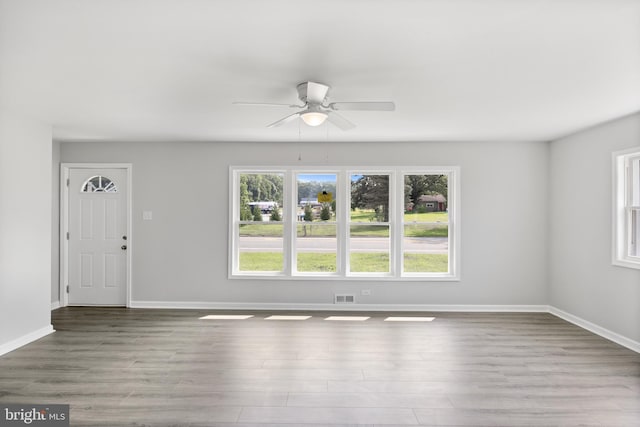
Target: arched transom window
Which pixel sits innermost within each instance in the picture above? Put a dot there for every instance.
(99, 184)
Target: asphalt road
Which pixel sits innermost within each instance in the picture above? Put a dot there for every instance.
(434, 245)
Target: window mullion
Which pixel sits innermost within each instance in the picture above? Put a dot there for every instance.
(399, 225)
(291, 195)
(344, 224)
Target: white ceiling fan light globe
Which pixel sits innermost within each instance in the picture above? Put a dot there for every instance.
(314, 118)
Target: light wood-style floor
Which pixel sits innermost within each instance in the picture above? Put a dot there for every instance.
(118, 367)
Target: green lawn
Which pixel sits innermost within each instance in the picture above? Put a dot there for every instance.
(369, 230)
(426, 217)
(420, 263)
(273, 261)
(369, 262)
(360, 262)
(318, 229)
(368, 215)
(316, 262)
(261, 230)
(315, 229)
(360, 215)
(426, 230)
(261, 261)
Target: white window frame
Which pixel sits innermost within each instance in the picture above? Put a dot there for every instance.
(343, 197)
(626, 172)
(391, 274)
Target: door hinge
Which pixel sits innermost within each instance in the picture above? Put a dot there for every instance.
(67, 235)
(67, 288)
(67, 182)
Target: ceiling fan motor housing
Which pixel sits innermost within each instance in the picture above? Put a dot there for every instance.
(303, 89)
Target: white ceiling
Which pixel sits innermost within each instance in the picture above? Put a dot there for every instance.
(456, 69)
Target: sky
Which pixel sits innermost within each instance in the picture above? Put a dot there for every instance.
(330, 177)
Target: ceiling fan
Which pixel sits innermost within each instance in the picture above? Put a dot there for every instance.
(315, 109)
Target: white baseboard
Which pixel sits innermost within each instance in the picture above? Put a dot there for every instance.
(338, 307)
(25, 339)
(598, 330)
(55, 305)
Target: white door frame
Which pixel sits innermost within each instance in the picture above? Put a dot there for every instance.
(64, 224)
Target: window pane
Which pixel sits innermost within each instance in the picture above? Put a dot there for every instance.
(261, 197)
(317, 197)
(316, 247)
(99, 184)
(635, 183)
(369, 198)
(426, 248)
(369, 247)
(425, 197)
(426, 228)
(260, 247)
(635, 233)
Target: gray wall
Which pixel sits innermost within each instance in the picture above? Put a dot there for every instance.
(181, 255)
(583, 281)
(25, 229)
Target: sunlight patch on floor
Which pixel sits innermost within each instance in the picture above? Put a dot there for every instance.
(409, 319)
(287, 318)
(227, 317)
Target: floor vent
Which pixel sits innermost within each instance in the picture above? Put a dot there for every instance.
(344, 299)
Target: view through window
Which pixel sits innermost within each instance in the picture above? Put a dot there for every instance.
(343, 223)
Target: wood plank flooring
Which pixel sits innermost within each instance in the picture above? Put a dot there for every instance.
(125, 367)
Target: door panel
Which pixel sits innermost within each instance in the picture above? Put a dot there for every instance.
(97, 269)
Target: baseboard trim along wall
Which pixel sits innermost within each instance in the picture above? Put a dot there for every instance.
(585, 324)
(598, 330)
(338, 307)
(25, 339)
(55, 305)
(591, 327)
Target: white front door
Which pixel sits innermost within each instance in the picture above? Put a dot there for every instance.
(97, 239)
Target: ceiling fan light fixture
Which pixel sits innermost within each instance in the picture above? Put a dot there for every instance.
(314, 118)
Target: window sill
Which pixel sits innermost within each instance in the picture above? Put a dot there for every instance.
(627, 263)
(355, 278)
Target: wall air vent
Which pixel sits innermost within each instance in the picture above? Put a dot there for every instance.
(344, 299)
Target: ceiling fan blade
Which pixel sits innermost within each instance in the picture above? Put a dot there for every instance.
(267, 104)
(316, 92)
(339, 121)
(363, 106)
(285, 120)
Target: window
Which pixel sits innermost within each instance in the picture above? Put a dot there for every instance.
(316, 240)
(259, 220)
(626, 215)
(344, 223)
(369, 223)
(425, 243)
(99, 184)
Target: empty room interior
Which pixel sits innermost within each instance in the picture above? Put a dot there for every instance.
(349, 213)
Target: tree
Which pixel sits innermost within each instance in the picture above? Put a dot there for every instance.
(264, 187)
(325, 213)
(420, 185)
(372, 192)
(308, 213)
(257, 213)
(310, 189)
(245, 210)
(275, 214)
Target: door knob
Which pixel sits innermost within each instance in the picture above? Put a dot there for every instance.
(123, 247)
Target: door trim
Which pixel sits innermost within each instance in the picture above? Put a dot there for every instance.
(64, 224)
